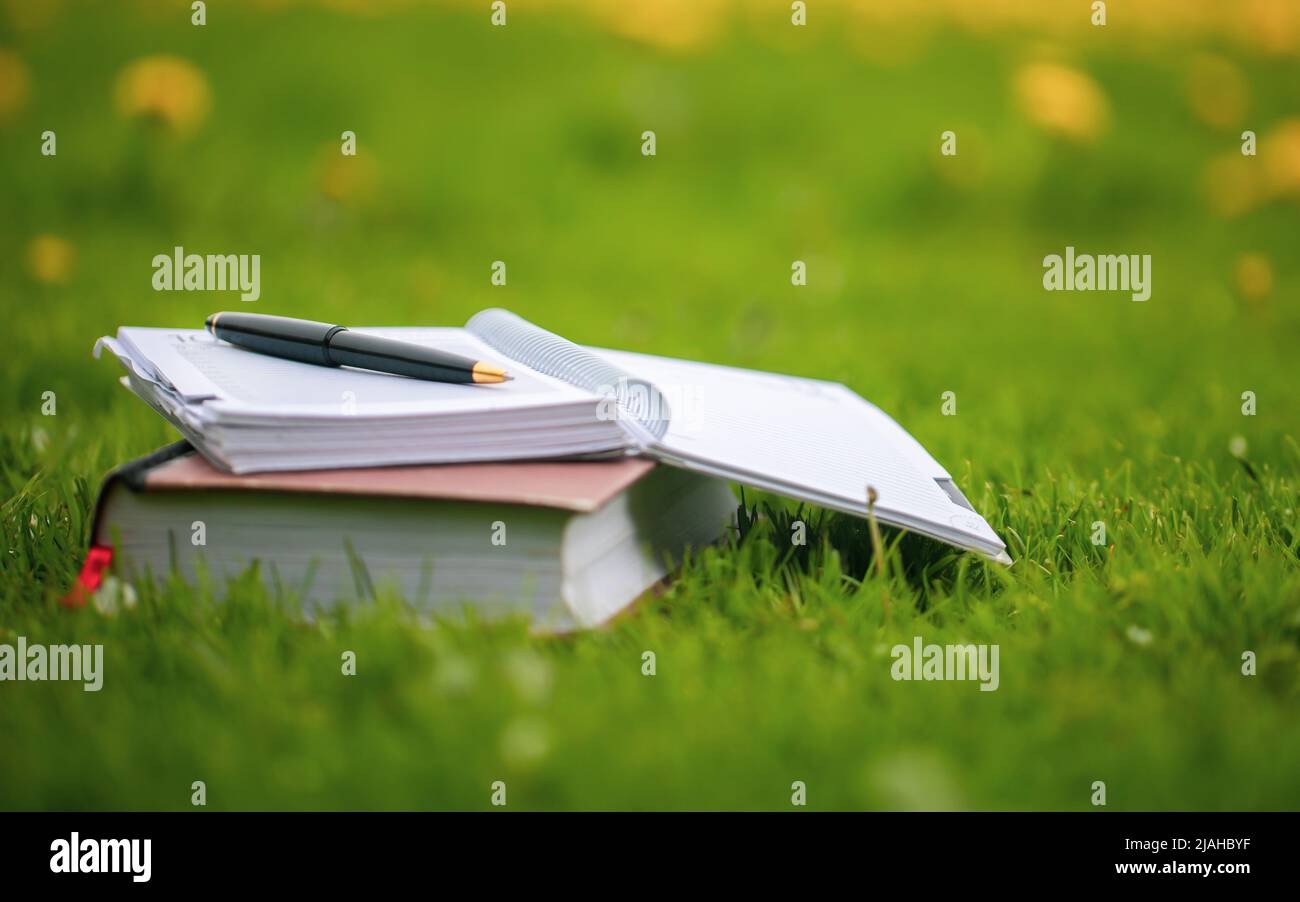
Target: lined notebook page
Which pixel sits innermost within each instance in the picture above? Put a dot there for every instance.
(809, 439)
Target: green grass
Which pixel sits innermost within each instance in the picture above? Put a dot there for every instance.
(1119, 663)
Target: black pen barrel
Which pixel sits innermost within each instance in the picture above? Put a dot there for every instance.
(370, 352)
(279, 336)
(328, 345)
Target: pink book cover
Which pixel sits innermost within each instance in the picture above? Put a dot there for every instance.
(579, 486)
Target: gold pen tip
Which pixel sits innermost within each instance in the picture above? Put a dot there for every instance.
(487, 374)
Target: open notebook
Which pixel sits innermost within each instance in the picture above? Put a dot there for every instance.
(803, 438)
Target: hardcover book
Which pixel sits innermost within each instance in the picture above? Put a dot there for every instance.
(568, 544)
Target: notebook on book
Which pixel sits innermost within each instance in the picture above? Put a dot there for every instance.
(566, 544)
(806, 439)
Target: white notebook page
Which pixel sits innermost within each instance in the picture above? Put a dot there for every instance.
(805, 438)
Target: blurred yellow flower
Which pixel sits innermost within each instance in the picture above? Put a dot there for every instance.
(1271, 25)
(1062, 100)
(1280, 154)
(671, 24)
(164, 89)
(346, 179)
(14, 83)
(50, 259)
(425, 279)
(1232, 184)
(26, 16)
(1216, 91)
(1254, 276)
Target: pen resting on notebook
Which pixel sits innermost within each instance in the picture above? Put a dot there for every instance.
(324, 344)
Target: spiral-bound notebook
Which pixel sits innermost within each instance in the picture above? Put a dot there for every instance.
(803, 438)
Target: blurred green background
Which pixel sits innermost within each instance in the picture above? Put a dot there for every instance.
(775, 143)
